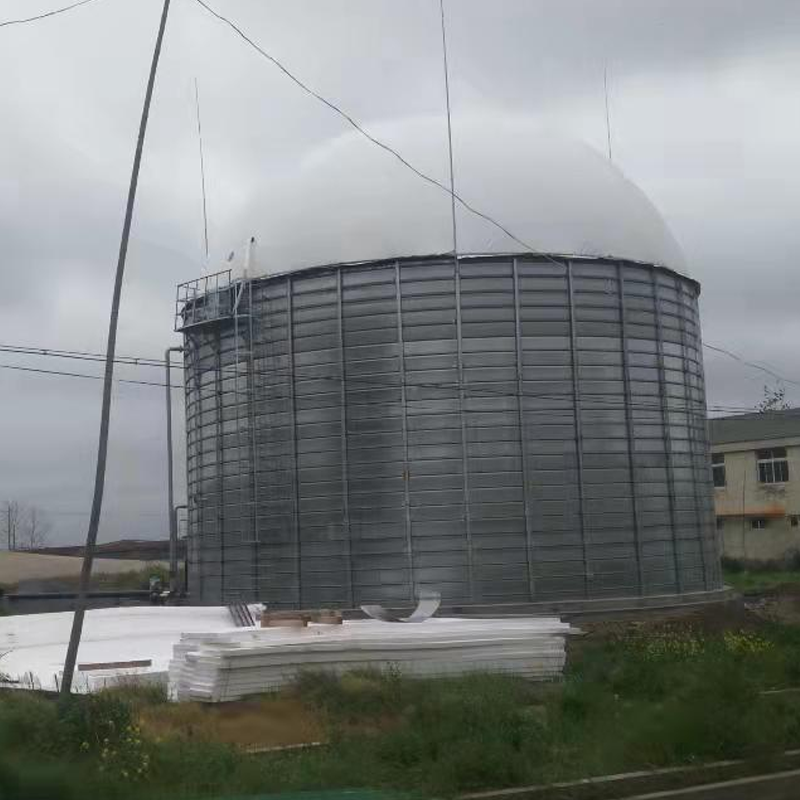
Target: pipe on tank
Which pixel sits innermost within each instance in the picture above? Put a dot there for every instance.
(172, 515)
(185, 587)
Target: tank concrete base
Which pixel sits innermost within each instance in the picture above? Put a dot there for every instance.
(571, 609)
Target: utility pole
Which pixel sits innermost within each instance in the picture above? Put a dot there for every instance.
(105, 413)
(12, 522)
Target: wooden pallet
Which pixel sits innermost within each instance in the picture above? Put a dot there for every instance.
(300, 619)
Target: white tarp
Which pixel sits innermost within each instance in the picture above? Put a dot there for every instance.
(351, 201)
(33, 646)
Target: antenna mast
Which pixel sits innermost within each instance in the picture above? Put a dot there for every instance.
(202, 166)
(608, 119)
(449, 134)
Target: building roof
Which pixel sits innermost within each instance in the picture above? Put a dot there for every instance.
(755, 427)
(349, 201)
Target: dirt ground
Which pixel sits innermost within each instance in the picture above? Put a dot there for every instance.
(781, 604)
(16, 567)
(261, 722)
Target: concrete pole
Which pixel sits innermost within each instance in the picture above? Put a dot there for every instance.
(105, 412)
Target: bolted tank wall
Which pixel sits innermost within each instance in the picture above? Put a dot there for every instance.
(503, 430)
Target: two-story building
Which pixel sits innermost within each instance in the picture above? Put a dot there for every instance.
(755, 461)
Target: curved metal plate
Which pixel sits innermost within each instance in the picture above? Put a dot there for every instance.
(427, 605)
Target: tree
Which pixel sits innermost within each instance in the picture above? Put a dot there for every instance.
(9, 523)
(33, 529)
(774, 399)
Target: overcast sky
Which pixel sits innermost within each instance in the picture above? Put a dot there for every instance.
(705, 119)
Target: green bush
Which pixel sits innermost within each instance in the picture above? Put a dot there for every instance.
(94, 721)
(195, 767)
(732, 565)
(461, 734)
(27, 722)
(34, 779)
(36, 782)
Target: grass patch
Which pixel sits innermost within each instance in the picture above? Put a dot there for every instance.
(761, 580)
(133, 579)
(659, 697)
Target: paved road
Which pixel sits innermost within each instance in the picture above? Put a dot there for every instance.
(778, 786)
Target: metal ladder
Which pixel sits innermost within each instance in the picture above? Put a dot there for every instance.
(240, 613)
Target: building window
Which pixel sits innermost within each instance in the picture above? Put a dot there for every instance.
(718, 469)
(772, 465)
(794, 521)
(720, 523)
(758, 523)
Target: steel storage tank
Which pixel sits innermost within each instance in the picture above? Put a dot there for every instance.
(507, 427)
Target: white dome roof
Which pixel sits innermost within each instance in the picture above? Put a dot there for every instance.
(351, 201)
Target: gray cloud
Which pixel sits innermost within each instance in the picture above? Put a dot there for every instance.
(704, 119)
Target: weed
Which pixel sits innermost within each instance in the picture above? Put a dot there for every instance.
(137, 694)
(27, 722)
(746, 643)
(362, 694)
(762, 577)
(672, 695)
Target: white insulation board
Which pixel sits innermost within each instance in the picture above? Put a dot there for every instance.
(218, 667)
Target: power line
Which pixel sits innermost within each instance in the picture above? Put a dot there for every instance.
(65, 374)
(61, 513)
(46, 14)
(742, 360)
(311, 374)
(477, 391)
(377, 142)
(455, 197)
(146, 361)
(602, 402)
(350, 120)
(82, 355)
(450, 191)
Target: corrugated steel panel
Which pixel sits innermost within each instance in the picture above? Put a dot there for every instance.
(502, 430)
